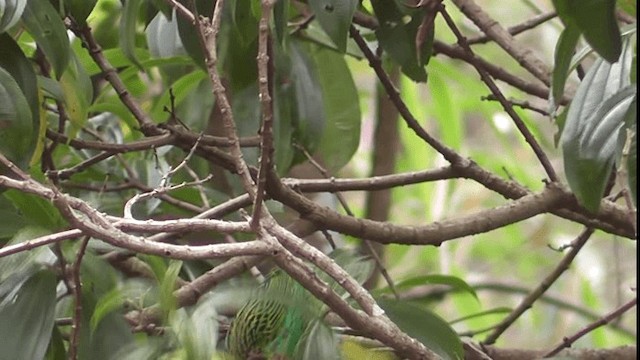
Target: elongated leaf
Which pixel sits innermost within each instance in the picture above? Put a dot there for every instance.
(188, 32)
(182, 88)
(16, 122)
(563, 56)
(425, 326)
(80, 9)
(78, 94)
(591, 130)
(398, 37)
(45, 25)
(13, 60)
(309, 118)
(335, 17)
(632, 168)
(596, 20)
(163, 37)
(341, 106)
(10, 12)
(26, 317)
(35, 210)
(128, 25)
(439, 279)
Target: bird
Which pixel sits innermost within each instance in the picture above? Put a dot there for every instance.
(272, 324)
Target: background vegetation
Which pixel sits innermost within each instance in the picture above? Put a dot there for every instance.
(469, 167)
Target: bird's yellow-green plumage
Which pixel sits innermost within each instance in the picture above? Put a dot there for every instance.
(273, 323)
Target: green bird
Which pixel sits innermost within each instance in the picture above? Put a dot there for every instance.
(273, 324)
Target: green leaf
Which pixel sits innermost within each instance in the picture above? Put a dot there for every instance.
(106, 304)
(17, 132)
(10, 220)
(17, 268)
(80, 9)
(189, 33)
(280, 19)
(10, 12)
(319, 342)
(632, 168)
(36, 210)
(628, 6)
(78, 94)
(597, 21)
(455, 282)
(168, 285)
(197, 329)
(335, 17)
(397, 36)
(590, 133)
(128, 25)
(563, 56)
(27, 317)
(45, 25)
(56, 349)
(309, 116)
(14, 61)
(182, 88)
(341, 106)
(425, 326)
(494, 311)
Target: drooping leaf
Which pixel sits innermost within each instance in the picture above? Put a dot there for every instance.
(189, 33)
(163, 38)
(563, 55)
(590, 133)
(341, 107)
(335, 17)
(80, 9)
(10, 12)
(45, 25)
(397, 36)
(128, 26)
(632, 168)
(280, 19)
(78, 94)
(596, 19)
(27, 317)
(17, 132)
(35, 210)
(197, 329)
(425, 326)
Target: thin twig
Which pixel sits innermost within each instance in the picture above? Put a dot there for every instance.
(533, 143)
(77, 298)
(265, 81)
(567, 341)
(532, 297)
